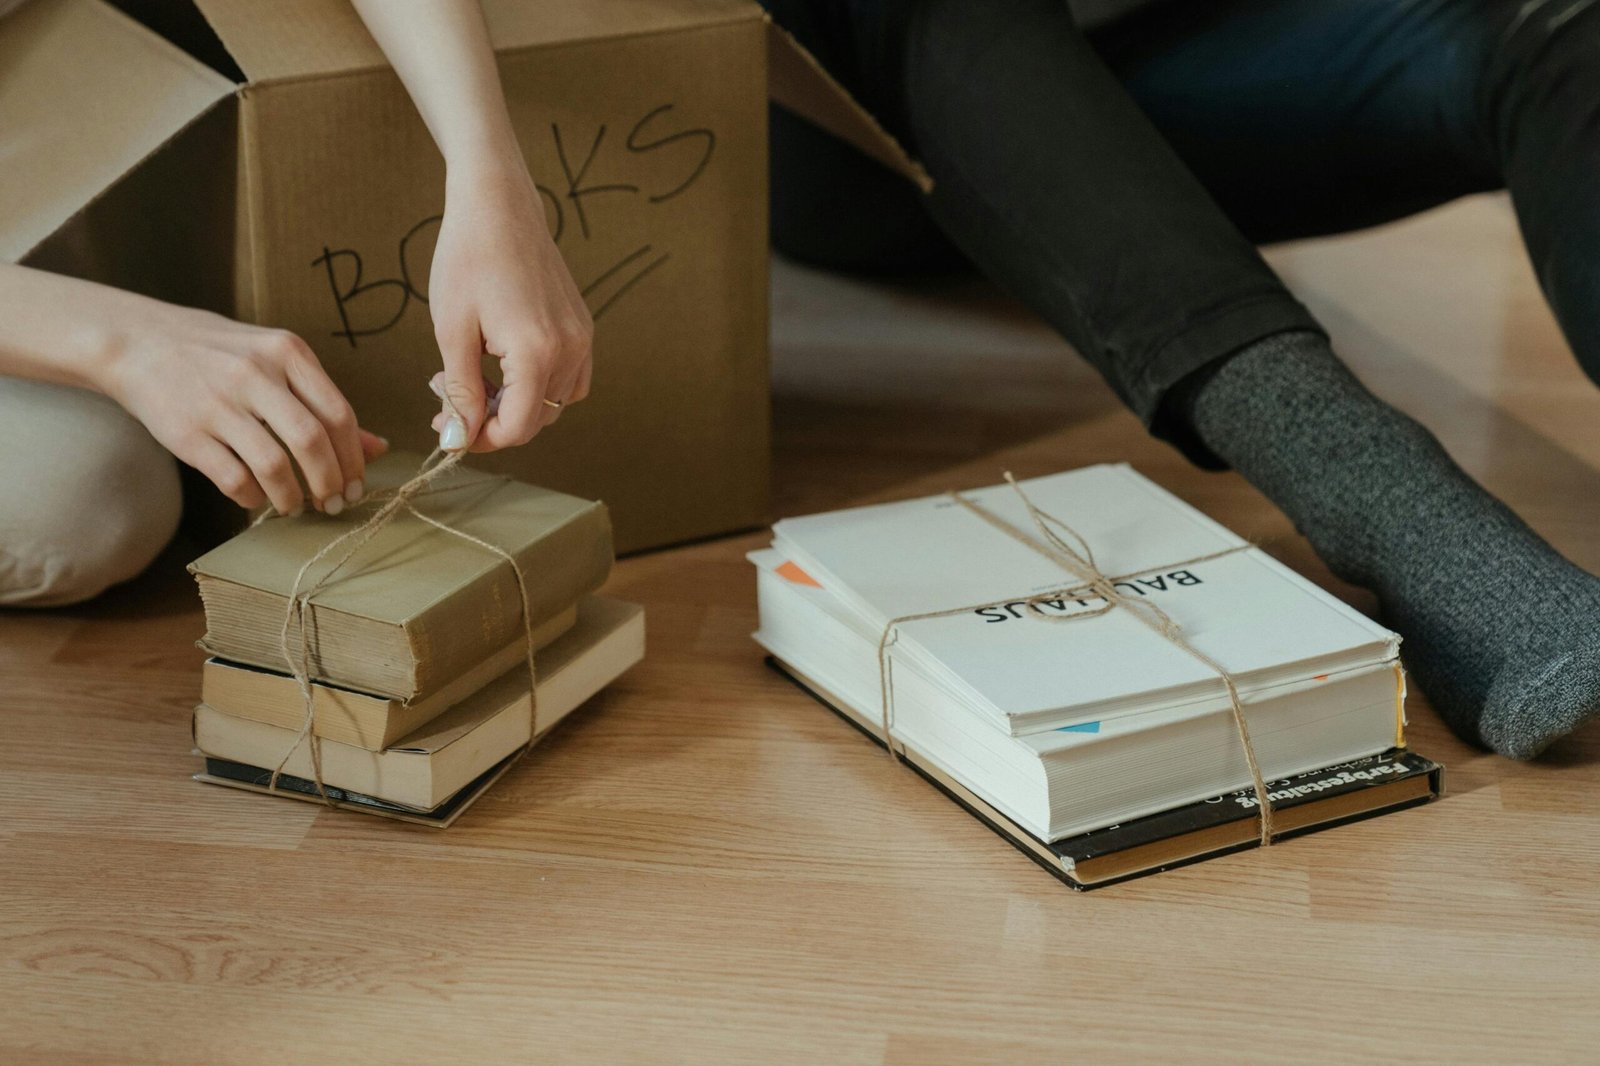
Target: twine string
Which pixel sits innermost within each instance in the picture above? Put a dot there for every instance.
(297, 612)
(1077, 559)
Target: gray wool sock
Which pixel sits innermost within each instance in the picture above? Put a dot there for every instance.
(1502, 633)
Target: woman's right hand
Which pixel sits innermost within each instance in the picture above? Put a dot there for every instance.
(244, 405)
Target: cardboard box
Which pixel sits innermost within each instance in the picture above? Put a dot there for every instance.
(287, 180)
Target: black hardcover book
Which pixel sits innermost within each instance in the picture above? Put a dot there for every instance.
(1305, 803)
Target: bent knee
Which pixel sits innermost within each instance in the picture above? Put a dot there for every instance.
(69, 545)
(1536, 56)
(89, 500)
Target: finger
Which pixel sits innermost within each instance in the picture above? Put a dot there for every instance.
(268, 462)
(441, 420)
(581, 391)
(518, 418)
(307, 439)
(372, 445)
(519, 414)
(491, 393)
(581, 348)
(461, 347)
(227, 472)
(317, 392)
(561, 390)
(549, 412)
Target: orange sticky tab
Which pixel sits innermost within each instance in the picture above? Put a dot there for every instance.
(791, 572)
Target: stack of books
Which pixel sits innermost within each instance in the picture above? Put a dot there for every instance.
(1092, 743)
(416, 648)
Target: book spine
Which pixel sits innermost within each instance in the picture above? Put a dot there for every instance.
(560, 568)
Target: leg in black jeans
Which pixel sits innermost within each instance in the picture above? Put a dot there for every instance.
(1304, 117)
(1298, 117)
(1045, 175)
(1057, 185)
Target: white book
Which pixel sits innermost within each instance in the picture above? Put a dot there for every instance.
(1260, 620)
(1066, 781)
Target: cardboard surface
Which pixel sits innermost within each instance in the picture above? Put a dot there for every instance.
(291, 39)
(652, 158)
(644, 124)
(85, 95)
(796, 81)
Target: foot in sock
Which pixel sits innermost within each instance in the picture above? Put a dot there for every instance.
(1501, 631)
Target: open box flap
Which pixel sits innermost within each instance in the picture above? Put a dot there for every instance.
(519, 24)
(290, 39)
(305, 38)
(86, 94)
(797, 82)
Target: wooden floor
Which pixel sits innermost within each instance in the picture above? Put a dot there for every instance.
(706, 867)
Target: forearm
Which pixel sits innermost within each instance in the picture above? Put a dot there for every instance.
(441, 51)
(497, 285)
(55, 328)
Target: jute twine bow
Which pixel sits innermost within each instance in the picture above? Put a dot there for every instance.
(352, 541)
(1077, 559)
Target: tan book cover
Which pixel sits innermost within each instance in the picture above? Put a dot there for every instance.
(425, 769)
(417, 607)
(348, 716)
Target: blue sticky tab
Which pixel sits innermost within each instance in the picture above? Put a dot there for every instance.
(1081, 727)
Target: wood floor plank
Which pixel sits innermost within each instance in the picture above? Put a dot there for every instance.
(705, 866)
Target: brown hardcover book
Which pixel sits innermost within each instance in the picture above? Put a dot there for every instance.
(417, 607)
(424, 770)
(347, 716)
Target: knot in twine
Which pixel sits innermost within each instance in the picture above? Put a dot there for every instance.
(1077, 559)
(394, 501)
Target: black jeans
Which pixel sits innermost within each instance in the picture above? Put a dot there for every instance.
(1118, 182)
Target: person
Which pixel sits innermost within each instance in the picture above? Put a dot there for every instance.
(103, 388)
(1114, 163)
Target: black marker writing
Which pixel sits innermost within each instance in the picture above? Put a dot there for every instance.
(703, 136)
(1063, 605)
(365, 308)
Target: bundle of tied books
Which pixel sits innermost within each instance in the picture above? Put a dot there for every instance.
(1067, 723)
(416, 650)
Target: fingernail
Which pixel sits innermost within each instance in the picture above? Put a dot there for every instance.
(454, 435)
(333, 505)
(354, 491)
(433, 386)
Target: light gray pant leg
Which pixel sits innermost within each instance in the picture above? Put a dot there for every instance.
(87, 497)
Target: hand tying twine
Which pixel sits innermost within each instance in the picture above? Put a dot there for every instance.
(1077, 558)
(394, 502)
